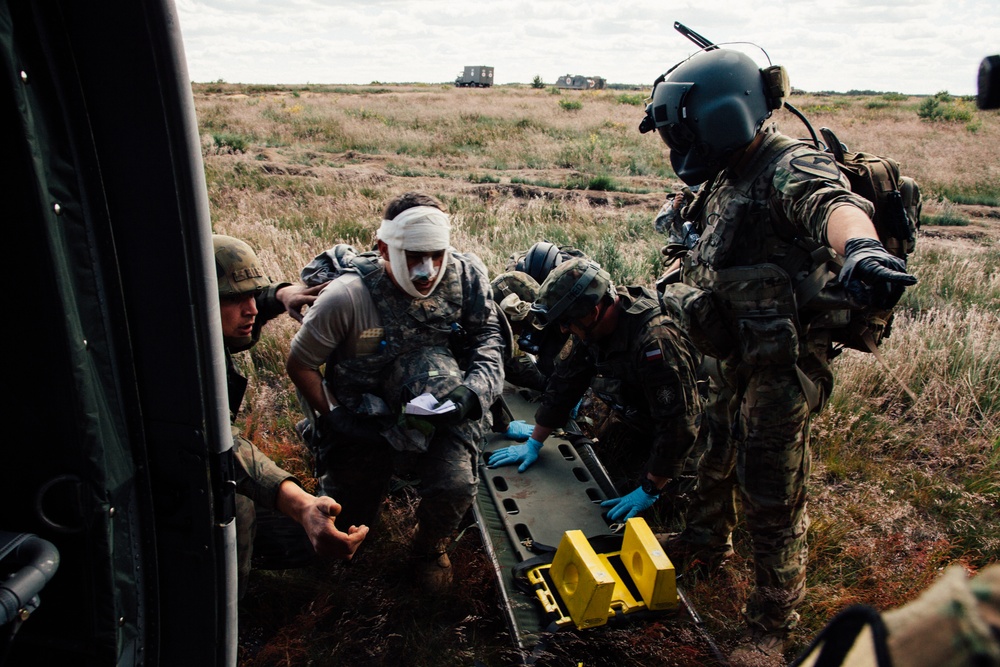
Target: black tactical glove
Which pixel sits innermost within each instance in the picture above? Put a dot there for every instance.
(342, 424)
(467, 406)
(871, 275)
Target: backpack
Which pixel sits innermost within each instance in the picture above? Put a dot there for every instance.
(896, 199)
(328, 264)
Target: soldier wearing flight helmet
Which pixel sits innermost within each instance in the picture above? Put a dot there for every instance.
(760, 191)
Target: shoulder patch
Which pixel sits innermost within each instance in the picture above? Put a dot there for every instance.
(653, 353)
(816, 164)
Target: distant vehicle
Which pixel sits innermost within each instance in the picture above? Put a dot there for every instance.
(580, 82)
(475, 76)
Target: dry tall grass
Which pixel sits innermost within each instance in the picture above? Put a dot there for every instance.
(900, 489)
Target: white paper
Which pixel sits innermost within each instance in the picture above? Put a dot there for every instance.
(426, 404)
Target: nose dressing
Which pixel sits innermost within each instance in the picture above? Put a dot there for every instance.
(425, 270)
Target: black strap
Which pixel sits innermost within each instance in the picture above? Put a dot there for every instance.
(837, 639)
(608, 543)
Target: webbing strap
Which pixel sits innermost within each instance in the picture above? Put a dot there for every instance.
(869, 341)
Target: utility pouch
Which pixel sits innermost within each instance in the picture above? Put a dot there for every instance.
(760, 301)
(768, 342)
(696, 313)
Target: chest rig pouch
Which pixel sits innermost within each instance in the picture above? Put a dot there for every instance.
(759, 303)
(737, 304)
(407, 325)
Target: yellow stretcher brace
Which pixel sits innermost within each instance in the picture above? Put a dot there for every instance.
(584, 587)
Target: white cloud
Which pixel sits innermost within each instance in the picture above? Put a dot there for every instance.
(911, 47)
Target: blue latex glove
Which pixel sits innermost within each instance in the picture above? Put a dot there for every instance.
(626, 507)
(519, 430)
(525, 454)
(576, 409)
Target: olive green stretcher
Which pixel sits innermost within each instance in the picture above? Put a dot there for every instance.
(523, 518)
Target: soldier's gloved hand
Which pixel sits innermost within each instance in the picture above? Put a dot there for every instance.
(525, 454)
(626, 507)
(467, 406)
(871, 275)
(341, 422)
(519, 430)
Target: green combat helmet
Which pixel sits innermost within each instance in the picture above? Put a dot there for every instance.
(237, 267)
(432, 370)
(571, 291)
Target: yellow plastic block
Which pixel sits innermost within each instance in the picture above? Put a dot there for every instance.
(583, 582)
(650, 568)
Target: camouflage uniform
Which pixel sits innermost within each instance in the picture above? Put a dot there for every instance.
(777, 373)
(953, 623)
(645, 370)
(257, 476)
(459, 320)
(519, 368)
(548, 344)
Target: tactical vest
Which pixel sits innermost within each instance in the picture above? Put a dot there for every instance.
(758, 272)
(607, 384)
(407, 325)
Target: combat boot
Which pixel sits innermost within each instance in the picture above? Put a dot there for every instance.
(689, 556)
(760, 648)
(432, 569)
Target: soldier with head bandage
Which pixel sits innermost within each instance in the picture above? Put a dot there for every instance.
(413, 313)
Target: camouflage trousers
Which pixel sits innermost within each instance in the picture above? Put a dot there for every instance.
(757, 421)
(358, 478)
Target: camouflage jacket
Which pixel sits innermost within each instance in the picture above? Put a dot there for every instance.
(257, 476)
(749, 219)
(646, 370)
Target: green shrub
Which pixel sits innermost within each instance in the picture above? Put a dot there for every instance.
(227, 141)
(944, 107)
(634, 99)
(948, 217)
(537, 82)
(571, 105)
(602, 182)
(930, 110)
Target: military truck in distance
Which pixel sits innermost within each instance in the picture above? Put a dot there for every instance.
(475, 76)
(580, 82)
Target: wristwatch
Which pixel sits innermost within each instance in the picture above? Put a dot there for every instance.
(649, 486)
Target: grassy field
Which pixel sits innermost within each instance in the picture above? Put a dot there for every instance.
(899, 490)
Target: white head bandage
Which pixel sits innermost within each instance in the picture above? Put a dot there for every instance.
(417, 229)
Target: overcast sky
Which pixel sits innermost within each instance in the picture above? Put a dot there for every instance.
(907, 46)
